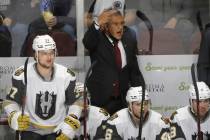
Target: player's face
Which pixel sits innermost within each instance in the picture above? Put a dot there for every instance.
(46, 58)
(116, 26)
(136, 108)
(203, 106)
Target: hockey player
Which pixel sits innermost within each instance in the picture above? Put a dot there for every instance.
(49, 91)
(183, 121)
(94, 117)
(124, 125)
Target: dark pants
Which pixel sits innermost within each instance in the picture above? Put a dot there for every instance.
(28, 135)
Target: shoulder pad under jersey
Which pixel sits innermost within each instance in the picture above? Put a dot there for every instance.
(104, 112)
(19, 71)
(70, 71)
(114, 116)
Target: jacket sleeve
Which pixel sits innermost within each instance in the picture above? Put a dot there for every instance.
(204, 59)
(91, 38)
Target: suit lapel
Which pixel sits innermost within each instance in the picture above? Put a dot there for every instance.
(111, 55)
(125, 47)
(111, 50)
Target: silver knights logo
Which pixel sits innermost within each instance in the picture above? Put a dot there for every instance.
(45, 104)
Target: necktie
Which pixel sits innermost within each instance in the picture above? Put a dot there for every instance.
(118, 59)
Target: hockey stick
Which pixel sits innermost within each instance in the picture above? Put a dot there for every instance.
(91, 8)
(25, 79)
(148, 23)
(193, 74)
(142, 110)
(89, 16)
(199, 21)
(85, 99)
(24, 94)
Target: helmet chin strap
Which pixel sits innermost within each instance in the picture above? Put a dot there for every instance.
(191, 107)
(135, 118)
(37, 56)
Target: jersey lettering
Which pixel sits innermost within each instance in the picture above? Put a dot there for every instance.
(173, 132)
(176, 131)
(12, 92)
(108, 134)
(165, 136)
(103, 111)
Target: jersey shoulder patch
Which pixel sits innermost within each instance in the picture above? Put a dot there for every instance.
(19, 71)
(71, 72)
(172, 115)
(104, 112)
(114, 116)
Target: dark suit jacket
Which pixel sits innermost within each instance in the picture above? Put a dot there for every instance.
(203, 66)
(104, 74)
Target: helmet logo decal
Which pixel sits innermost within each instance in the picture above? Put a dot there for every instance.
(203, 90)
(43, 42)
(117, 5)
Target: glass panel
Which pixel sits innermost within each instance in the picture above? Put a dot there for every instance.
(175, 29)
(23, 20)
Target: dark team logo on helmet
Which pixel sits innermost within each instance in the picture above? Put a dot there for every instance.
(117, 5)
(45, 104)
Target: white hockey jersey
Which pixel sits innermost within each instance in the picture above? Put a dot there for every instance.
(121, 127)
(184, 125)
(45, 100)
(95, 117)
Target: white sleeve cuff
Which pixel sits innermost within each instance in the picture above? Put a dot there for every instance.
(14, 119)
(75, 110)
(11, 107)
(96, 24)
(66, 130)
